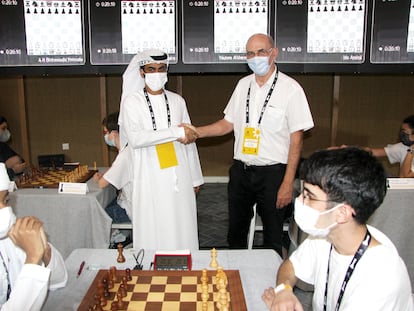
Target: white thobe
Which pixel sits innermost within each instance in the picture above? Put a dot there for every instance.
(29, 282)
(163, 200)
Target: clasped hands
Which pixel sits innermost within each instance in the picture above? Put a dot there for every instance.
(191, 134)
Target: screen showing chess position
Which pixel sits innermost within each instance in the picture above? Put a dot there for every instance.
(43, 33)
(216, 31)
(119, 29)
(392, 31)
(321, 31)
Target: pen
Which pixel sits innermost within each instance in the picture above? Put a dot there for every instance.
(81, 268)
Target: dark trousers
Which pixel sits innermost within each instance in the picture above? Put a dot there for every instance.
(249, 185)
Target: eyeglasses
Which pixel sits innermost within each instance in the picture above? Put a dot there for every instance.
(152, 68)
(305, 196)
(261, 52)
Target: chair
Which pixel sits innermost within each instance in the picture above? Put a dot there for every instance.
(257, 225)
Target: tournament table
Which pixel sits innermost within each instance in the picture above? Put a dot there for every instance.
(70, 220)
(257, 269)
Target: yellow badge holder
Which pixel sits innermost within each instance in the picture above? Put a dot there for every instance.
(251, 141)
(166, 155)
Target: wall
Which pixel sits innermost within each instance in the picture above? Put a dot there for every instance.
(363, 110)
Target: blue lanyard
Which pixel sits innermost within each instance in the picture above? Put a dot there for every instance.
(361, 250)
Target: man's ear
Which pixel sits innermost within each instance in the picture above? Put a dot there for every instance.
(345, 213)
(141, 72)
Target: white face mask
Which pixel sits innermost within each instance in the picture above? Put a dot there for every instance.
(259, 65)
(156, 81)
(306, 217)
(7, 220)
(5, 135)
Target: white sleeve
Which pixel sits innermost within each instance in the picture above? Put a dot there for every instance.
(59, 274)
(30, 289)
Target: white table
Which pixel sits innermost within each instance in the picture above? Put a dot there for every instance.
(257, 268)
(70, 220)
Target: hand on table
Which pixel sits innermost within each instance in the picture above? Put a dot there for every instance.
(284, 300)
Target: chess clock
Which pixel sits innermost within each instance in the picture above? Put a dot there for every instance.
(172, 260)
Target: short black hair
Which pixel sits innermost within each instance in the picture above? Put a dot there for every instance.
(348, 175)
(408, 120)
(111, 121)
(2, 119)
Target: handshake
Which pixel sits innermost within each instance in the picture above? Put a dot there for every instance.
(191, 134)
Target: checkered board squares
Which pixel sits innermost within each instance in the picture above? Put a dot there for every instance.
(235, 21)
(410, 39)
(148, 25)
(168, 290)
(53, 27)
(336, 26)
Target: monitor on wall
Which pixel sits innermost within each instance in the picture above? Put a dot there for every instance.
(392, 32)
(119, 29)
(216, 31)
(321, 31)
(41, 33)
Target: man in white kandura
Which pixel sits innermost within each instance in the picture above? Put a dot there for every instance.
(167, 171)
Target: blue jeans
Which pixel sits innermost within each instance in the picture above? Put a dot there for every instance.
(116, 212)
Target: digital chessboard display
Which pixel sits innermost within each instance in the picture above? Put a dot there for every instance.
(216, 31)
(119, 29)
(321, 31)
(41, 33)
(393, 31)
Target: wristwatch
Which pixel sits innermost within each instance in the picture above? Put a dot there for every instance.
(410, 150)
(281, 287)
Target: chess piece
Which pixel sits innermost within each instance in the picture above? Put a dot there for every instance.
(121, 257)
(128, 274)
(204, 290)
(213, 263)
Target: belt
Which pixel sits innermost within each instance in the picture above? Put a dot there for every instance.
(250, 166)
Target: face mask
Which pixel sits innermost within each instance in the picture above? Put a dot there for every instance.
(109, 142)
(405, 140)
(259, 65)
(306, 217)
(5, 136)
(7, 220)
(156, 81)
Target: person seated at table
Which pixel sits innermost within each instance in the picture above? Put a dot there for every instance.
(14, 162)
(353, 266)
(119, 175)
(29, 264)
(401, 152)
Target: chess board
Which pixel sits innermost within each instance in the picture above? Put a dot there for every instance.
(167, 290)
(52, 178)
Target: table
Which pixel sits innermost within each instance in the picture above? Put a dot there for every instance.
(257, 268)
(395, 219)
(71, 220)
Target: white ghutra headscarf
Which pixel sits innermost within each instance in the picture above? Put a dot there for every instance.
(132, 82)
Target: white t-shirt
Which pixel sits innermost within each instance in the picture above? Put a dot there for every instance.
(380, 280)
(287, 111)
(396, 153)
(120, 176)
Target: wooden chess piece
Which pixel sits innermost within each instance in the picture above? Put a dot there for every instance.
(213, 263)
(121, 257)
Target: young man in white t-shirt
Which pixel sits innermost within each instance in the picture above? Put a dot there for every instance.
(352, 266)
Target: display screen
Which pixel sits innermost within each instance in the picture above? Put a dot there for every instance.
(392, 31)
(119, 29)
(41, 33)
(216, 31)
(171, 262)
(321, 31)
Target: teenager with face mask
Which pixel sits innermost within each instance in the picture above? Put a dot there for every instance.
(119, 174)
(14, 163)
(29, 265)
(353, 266)
(166, 170)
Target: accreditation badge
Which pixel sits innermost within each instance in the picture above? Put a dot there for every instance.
(251, 140)
(166, 155)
